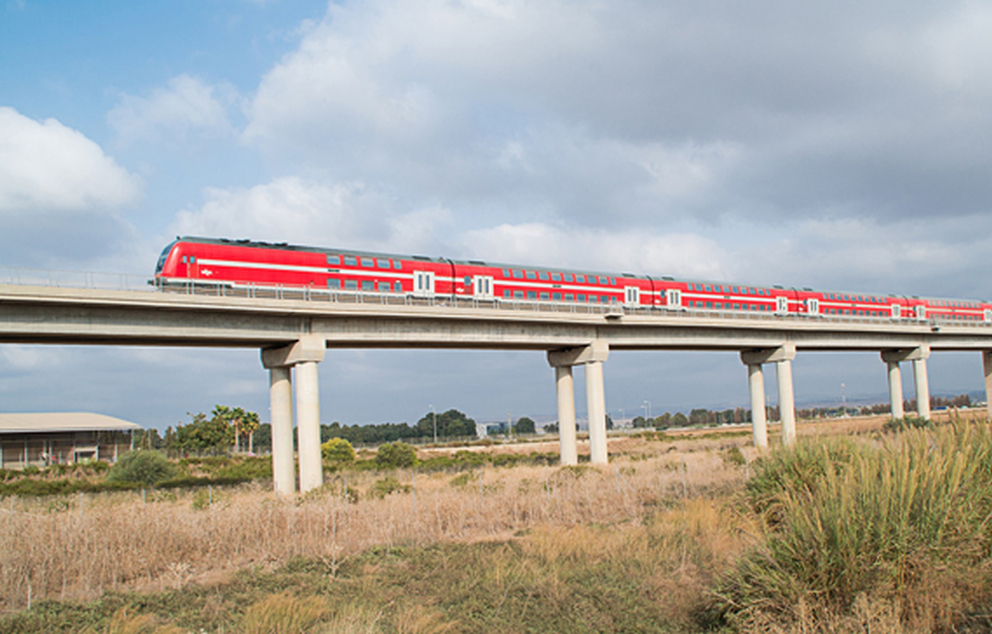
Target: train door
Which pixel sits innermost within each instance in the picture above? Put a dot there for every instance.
(482, 287)
(782, 307)
(896, 311)
(812, 306)
(423, 283)
(631, 295)
(988, 315)
(921, 312)
(673, 298)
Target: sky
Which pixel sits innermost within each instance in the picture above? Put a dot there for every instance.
(840, 146)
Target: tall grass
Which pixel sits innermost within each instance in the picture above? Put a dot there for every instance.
(901, 524)
(80, 546)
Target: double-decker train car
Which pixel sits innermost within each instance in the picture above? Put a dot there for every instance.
(245, 263)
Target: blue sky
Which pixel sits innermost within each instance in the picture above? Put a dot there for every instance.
(842, 146)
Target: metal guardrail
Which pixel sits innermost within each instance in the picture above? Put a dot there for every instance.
(21, 276)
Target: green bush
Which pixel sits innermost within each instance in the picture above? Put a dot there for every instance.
(395, 455)
(903, 521)
(145, 467)
(338, 450)
(385, 486)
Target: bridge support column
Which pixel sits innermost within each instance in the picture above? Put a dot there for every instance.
(987, 363)
(895, 390)
(593, 357)
(305, 354)
(756, 385)
(919, 358)
(782, 357)
(281, 415)
(566, 415)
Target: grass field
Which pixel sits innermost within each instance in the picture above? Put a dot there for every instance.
(851, 530)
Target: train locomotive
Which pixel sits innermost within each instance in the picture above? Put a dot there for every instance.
(244, 263)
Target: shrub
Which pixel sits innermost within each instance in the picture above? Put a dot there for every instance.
(395, 455)
(385, 486)
(31, 470)
(903, 522)
(145, 467)
(338, 450)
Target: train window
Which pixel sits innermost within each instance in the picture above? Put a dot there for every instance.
(531, 294)
(518, 275)
(604, 280)
(544, 296)
(580, 297)
(350, 260)
(398, 287)
(531, 275)
(709, 304)
(383, 263)
(397, 265)
(368, 285)
(593, 299)
(506, 273)
(581, 279)
(556, 277)
(368, 262)
(543, 275)
(567, 277)
(569, 297)
(467, 281)
(518, 294)
(333, 284)
(334, 259)
(718, 305)
(383, 287)
(605, 299)
(556, 297)
(351, 285)
(613, 281)
(707, 288)
(734, 290)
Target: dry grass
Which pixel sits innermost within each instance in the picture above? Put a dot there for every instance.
(81, 546)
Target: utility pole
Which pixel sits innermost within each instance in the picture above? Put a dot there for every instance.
(434, 414)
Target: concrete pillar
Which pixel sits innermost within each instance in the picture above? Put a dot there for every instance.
(922, 387)
(305, 354)
(987, 363)
(596, 404)
(786, 400)
(593, 357)
(895, 390)
(782, 357)
(566, 415)
(308, 426)
(919, 358)
(281, 415)
(759, 424)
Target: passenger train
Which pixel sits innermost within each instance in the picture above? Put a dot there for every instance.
(246, 263)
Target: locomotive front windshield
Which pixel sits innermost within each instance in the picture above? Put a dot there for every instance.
(162, 258)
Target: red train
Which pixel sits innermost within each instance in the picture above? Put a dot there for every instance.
(245, 263)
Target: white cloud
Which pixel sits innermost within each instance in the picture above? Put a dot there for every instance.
(187, 105)
(676, 254)
(297, 210)
(49, 167)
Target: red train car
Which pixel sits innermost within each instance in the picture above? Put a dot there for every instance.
(244, 263)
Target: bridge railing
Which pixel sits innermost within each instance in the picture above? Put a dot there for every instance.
(25, 276)
(22, 276)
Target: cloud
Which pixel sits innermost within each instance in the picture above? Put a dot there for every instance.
(644, 111)
(303, 211)
(48, 167)
(185, 107)
(683, 255)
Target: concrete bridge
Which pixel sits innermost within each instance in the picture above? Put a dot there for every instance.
(293, 328)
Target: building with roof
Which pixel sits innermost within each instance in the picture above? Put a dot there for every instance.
(59, 438)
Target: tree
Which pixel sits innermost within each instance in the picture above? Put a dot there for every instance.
(338, 450)
(202, 433)
(525, 425)
(639, 421)
(449, 424)
(609, 422)
(395, 455)
(145, 467)
(679, 420)
(551, 428)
